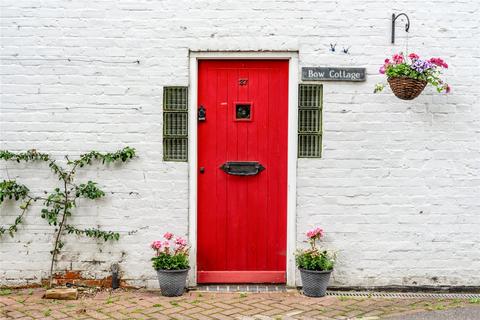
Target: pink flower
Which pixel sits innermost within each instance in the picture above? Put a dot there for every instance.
(316, 233)
(439, 62)
(180, 242)
(156, 245)
(383, 68)
(166, 244)
(168, 235)
(397, 58)
(413, 56)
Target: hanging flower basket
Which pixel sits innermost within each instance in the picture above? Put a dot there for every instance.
(406, 88)
(409, 75)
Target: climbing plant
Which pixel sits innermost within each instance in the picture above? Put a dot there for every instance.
(59, 203)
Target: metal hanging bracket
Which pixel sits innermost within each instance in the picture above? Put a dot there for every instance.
(394, 18)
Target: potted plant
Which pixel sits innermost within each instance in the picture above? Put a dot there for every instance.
(315, 266)
(409, 75)
(171, 263)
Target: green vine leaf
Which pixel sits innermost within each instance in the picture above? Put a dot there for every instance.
(34, 155)
(30, 155)
(93, 233)
(89, 190)
(124, 154)
(10, 189)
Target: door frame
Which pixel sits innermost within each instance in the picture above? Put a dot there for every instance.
(292, 57)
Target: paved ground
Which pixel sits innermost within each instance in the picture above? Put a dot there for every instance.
(466, 313)
(140, 304)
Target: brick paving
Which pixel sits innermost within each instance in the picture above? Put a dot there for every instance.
(143, 304)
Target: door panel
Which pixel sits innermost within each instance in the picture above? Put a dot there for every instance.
(242, 219)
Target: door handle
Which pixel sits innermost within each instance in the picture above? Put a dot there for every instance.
(202, 169)
(242, 168)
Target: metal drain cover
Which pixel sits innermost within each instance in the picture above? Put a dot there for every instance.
(403, 295)
(241, 288)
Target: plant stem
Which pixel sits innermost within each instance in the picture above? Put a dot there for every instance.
(44, 199)
(60, 227)
(27, 204)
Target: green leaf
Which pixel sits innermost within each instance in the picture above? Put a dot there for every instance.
(314, 259)
(89, 190)
(10, 189)
(166, 261)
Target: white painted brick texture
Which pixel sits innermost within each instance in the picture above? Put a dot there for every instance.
(397, 189)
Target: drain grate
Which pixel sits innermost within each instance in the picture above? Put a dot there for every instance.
(404, 295)
(241, 288)
(352, 294)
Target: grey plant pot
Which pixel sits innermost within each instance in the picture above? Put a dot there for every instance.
(314, 282)
(172, 282)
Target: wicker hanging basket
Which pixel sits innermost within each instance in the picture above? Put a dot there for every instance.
(406, 88)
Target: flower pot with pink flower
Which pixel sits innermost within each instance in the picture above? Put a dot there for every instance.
(171, 263)
(409, 75)
(315, 265)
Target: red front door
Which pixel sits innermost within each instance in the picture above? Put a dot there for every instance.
(242, 171)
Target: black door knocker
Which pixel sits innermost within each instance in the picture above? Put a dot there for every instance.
(202, 114)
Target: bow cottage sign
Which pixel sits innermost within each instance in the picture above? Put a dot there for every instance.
(333, 74)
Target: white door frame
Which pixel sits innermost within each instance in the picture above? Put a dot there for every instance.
(292, 57)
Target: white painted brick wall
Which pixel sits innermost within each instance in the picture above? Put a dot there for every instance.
(397, 189)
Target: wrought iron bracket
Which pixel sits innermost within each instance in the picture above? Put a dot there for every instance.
(394, 18)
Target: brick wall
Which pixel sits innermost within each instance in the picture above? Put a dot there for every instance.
(397, 189)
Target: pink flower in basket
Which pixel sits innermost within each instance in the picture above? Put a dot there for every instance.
(398, 58)
(439, 62)
(415, 71)
(413, 56)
